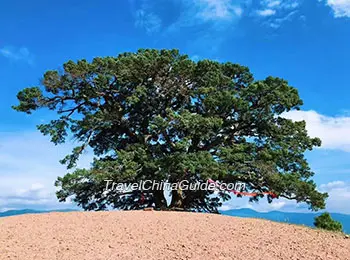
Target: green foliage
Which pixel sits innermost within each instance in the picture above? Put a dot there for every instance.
(156, 114)
(325, 221)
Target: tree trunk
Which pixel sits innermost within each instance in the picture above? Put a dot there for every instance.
(176, 199)
(159, 199)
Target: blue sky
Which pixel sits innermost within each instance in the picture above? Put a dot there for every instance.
(305, 42)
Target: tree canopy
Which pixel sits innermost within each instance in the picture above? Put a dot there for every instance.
(158, 115)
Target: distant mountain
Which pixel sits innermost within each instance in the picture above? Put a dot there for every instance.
(29, 211)
(306, 219)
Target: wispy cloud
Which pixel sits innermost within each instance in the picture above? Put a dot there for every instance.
(191, 13)
(279, 5)
(145, 16)
(333, 131)
(206, 23)
(341, 8)
(148, 21)
(17, 54)
(217, 9)
(272, 3)
(277, 22)
(266, 12)
(276, 12)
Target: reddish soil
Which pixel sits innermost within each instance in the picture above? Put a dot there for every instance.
(162, 235)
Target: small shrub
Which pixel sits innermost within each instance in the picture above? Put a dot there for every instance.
(325, 221)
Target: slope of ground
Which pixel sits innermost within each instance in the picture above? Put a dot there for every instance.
(161, 235)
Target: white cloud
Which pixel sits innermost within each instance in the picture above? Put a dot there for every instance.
(33, 195)
(217, 9)
(341, 8)
(333, 131)
(29, 165)
(339, 196)
(332, 185)
(273, 3)
(17, 54)
(263, 205)
(266, 12)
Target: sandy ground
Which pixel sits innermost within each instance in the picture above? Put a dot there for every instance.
(162, 235)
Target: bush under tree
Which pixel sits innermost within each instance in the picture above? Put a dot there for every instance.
(325, 221)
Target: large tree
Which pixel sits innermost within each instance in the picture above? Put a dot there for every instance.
(157, 115)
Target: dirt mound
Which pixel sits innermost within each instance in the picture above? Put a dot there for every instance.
(162, 235)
